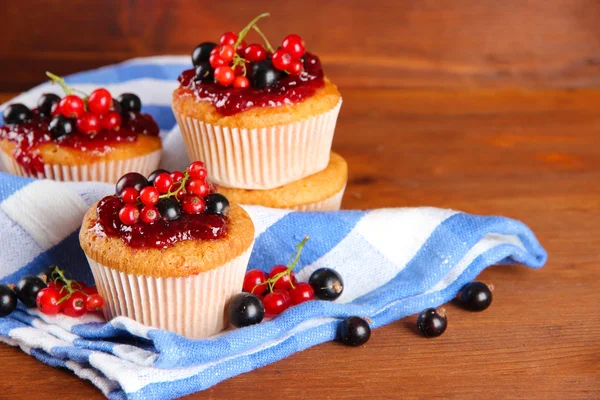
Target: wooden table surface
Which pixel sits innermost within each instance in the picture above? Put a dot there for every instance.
(530, 155)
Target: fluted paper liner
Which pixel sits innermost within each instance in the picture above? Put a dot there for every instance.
(104, 171)
(192, 306)
(260, 158)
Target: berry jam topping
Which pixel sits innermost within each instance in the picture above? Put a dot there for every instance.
(235, 77)
(94, 123)
(165, 208)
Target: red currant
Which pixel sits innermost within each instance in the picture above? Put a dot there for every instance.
(241, 49)
(100, 101)
(180, 194)
(241, 82)
(302, 292)
(276, 302)
(88, 123)
(90, 290)
(296, 67)
(149, 196)
(294, 45)
(215, 61)
(255, 52)
(75, 305)
(130, 195)
(149, 214)
(224, 75)
(285, 281)
(226, 52)
(198, 187)
(197, 170)
(193, 204)
(94, 302)
(129, 214)
(58, 285)
(177, 176)
(253, 278)
(71, 106)
(163, 182)
(228, 38)
(47, 301)
(111, 121)
(282, 60)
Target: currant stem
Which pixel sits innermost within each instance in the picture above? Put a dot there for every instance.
(57, 79)
(60, 274)
(182, 182)
(290, 266)
(264, 38)
(247, 28)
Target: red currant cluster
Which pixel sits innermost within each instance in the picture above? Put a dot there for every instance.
(274, 293)
(51, 293)
(231, 61)
(166, 194)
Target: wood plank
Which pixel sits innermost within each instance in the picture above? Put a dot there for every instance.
(530, 155)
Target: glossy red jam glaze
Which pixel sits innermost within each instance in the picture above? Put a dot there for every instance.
(230, 101)
(160, 234)
(30, 135)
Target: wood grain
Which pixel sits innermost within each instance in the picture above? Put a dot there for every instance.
(530, 155)
(376, 43)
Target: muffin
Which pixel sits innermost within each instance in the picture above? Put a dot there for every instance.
(72, 139)
(259, 121)
(170, 262)
(322, 191)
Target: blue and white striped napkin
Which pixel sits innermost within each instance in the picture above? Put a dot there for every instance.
(394, 262)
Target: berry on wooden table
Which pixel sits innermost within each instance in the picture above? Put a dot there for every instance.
(28, 288)
(45, 103)
(476, 296)
(8, 300)
(16, 113)
(47, 301)
(327, 284)
(432, 323)
(100, 101)
(354, 331)
(245, 309)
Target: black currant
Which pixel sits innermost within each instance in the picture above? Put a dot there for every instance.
(218, 204)
(354, 331)
(154, 174)
(131, 179)
(245, 309)
(476, 296)
(169, 209)
(28, 288)
(45, 103)
(129, 102)
(202, 52)
(8, 300)
(204, 71)
(61, 126)
(264, 74)
(327, 284)
(16, 113)
(432, 322)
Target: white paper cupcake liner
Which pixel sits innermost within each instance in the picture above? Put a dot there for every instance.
(192, 306)
(333, 203)
(261, 158)
(105, 171)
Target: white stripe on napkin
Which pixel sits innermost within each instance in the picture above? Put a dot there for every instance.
(34, 208)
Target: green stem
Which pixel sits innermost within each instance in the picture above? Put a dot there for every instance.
(247, 28)
(290, 266)
(57, 79)
(264, 38)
